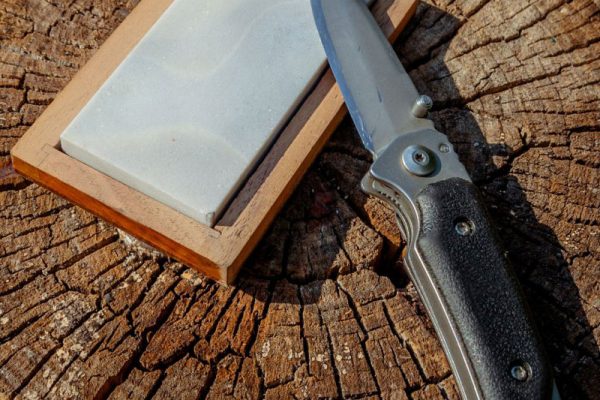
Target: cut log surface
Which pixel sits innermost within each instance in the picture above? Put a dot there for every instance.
(322, 309)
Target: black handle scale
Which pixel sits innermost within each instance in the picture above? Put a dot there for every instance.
(468, 267)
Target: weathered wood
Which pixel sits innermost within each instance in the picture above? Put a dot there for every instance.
(321, 309)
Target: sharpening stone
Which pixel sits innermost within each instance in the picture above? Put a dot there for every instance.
(191, 110)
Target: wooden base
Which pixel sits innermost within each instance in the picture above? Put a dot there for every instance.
(218, 252)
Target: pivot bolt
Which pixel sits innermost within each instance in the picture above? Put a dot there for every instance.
(418, 160)
(422, 106)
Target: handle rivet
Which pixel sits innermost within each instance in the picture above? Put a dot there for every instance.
(464, 227)
(444, 148)
(519, 373)
(422, 106)
(418, 160)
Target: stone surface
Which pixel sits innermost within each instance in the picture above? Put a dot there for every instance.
(322, 309)
(191, 110)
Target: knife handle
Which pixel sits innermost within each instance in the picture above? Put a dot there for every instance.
(464, 278)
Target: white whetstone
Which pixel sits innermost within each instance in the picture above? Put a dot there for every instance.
(190, 111)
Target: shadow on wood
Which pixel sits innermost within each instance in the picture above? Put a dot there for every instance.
(321, 218)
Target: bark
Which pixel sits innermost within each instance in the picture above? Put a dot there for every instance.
(322, 309)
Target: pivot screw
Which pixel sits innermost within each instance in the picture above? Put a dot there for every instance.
(519, 373)
(422, 106)
(418, 160)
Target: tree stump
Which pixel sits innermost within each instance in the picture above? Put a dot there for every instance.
(322, 309)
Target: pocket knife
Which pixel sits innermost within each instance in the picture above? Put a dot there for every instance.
(453, 256)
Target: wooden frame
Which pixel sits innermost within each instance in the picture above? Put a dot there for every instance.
(218, 252)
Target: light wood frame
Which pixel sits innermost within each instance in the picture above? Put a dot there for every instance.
(218, 252)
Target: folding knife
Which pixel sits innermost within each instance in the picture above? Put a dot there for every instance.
(453, 256)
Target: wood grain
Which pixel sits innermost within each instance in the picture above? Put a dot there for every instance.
(321, 308)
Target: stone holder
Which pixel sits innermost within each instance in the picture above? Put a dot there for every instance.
(218, 251)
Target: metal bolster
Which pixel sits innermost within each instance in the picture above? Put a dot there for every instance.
(409, 164)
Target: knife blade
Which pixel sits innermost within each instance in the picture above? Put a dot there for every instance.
(453, 255)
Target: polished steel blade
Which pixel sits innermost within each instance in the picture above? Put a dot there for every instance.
(378, 92)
